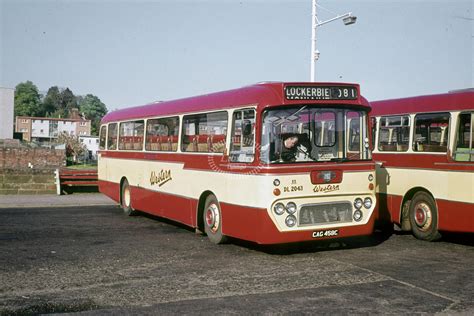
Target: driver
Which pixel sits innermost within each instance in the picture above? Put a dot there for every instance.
(292, 148)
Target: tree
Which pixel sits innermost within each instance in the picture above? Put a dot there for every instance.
(27, 100)
(58, 102)
(52, 102)
(93, 110)
(74, 147)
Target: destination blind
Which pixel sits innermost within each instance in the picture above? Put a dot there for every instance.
(320, 93)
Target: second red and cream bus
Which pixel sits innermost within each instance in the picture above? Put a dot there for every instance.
(268, 163)
(424, 149)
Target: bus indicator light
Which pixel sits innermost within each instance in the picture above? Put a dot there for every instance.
(371, 177)
(371, 186)
(276, 182)
(276, 192)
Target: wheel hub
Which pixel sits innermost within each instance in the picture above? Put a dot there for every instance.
(423, 216)
(126, 197)
(213, 217)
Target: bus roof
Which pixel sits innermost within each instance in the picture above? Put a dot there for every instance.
(452, 101)
(262, 95)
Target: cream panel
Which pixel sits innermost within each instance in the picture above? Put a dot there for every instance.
(239, 189)
(229, 188)
(455, 186)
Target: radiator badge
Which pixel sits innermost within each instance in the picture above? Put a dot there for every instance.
(326, 188)
(160, 178)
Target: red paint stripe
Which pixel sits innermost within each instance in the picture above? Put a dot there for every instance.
(435, 162)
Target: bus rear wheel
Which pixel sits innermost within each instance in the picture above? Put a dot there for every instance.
(126, 199)
(212, 218)
(424, 217)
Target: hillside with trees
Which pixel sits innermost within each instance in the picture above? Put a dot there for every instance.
(57, 103)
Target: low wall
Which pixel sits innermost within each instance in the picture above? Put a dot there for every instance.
(27, 181)
(28, 170)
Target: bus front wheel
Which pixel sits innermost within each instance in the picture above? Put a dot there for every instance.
(424, 217)
(212, 217)
(126, 199)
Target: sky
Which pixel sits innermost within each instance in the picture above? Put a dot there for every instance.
(134, 52)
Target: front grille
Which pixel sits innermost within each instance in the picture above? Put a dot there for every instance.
(316, 214)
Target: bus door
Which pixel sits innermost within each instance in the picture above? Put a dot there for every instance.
(242, 145)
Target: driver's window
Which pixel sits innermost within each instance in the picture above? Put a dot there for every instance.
(242, 146)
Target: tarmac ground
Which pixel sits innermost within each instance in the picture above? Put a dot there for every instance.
(80, 254)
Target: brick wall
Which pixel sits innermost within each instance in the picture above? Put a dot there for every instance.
(27, 170)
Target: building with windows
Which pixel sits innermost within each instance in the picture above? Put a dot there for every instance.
(92, 145)
(43, 129)
(6, 113)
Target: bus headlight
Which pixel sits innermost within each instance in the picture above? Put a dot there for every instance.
(290, 221)
(291, 208)
(357, 215)
(279, 208)
(367, 203)
(358, 203)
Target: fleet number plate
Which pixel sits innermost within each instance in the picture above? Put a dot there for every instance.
(326, 233)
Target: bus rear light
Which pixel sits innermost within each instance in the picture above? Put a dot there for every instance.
(279, 208)
(290, 221)
(358, 215)
(276, 192)
(358, 203)
(367, 203)
(291, 208)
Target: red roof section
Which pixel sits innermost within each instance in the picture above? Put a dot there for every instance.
(262, 95)
(454, 101)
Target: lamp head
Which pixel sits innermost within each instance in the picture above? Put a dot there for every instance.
(351, 19)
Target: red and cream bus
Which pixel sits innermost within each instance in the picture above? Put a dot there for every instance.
(269, 163)
(425, 162)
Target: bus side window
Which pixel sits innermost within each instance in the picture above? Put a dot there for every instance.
(205, 132)
(394, 133)
(162, 134)
(242, 147)
(103, 137)
(112, 137)
(464, 150)
(131, 135)
(431, 132)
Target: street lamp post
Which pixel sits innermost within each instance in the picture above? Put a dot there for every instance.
(347, 18)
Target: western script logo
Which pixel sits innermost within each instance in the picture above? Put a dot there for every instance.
(160, 178)
(326, 188)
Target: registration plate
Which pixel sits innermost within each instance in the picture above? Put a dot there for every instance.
(326, 233)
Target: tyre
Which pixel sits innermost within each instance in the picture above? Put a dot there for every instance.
(424, 217)
(126, 199)
(212, 218)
